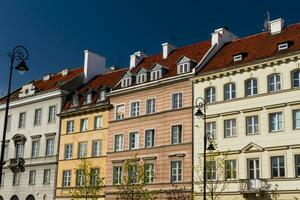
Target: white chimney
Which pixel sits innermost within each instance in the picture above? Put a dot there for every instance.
(64, 72)
(276, 26)
(47, 77)
(167, 49)
(136, 58)
(221, 36)
(94, 64)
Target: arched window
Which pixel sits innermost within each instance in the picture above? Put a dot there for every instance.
(1, 198)
(296, 78)
(210, 94)
(14, 198)
(274, 82)
(229, 91)
(30, 197)
(251, 86)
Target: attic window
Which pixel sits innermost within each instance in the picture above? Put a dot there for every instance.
(126, 82)
(141, 78)
(283, 46)
(183, 68)
(88, 99)
(156, 75)
(75, 100)
(237, 57)
(102, 95)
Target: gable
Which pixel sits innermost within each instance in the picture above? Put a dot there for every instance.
(252, 147)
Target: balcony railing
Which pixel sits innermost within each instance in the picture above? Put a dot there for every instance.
(253, 185)
(16, 164)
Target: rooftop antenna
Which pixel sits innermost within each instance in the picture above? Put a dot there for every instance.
(266, 22)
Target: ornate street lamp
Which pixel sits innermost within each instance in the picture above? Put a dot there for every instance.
(208, 137)
(20, 54)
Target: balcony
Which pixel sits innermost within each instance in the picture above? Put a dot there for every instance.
(253, 186)
(16, 164)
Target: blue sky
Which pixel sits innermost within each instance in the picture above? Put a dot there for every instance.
(56, 32)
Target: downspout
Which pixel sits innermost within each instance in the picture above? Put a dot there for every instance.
(193, 139)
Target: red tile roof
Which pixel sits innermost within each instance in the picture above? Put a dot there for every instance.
(255, 47)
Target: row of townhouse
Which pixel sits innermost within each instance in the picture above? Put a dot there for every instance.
(146, 112)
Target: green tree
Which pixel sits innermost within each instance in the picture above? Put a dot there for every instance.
(89, 185)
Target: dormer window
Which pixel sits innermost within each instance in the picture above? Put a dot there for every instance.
(75, 100)
(126, 82)
(88, 99)
(183, 68)
(155, 75)
(102, 95)
(237, 57)
(141, 78)
(283, 46)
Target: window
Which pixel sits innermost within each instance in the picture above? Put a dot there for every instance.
(95, 181)
(135, 109)
(275, 121)
(68, 151)
(176, 171)
(80, 178)
(19, 150)
(117, 175)
(119, 142)
(277, 167)
(87, 99)
(149, 138)
(210, 94)
(176, 134)
(70, 126)
(211, 170)
(252, 125)
(16, 178)
(296, 119)
(35, 148)
(52, 114)
(229, 91)
(132, 173)
(82, 151)
(297, 165)
(150, 106)
(237, 57)
(149, 172)
(134, 140)
(296, 78)
(177, 100)
(102, 95)
(251, 87)
(274, 83)
(75, 101)
(84, 124)
(126, 82)
(98, 122)
(2, 179)
(141, 78)
(49, 146)
(6, 152)
(183, 68)
(8, 125)
(96, 148)
(67, 178)
(155, 75)
(120, 112)
(230, 169)
(211, 128)
(283, 46)
(230, 128)
(47, 175)
(32, 174)
(22, 118)
(37, 117)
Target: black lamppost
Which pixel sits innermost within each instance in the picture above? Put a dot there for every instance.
(20, 54)
(201, 112)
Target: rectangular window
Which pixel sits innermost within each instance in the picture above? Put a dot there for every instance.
(120, 112)
(37, 117)
(252, 125)
(135, 109)
(49, 146)
(132, 173)
(211, 128)
(176, 171)
(67, 178)
(155, 75)
(119, 142)
(276, 121)
(16, 178)
(229, 128)
(176, 135)
(150, 106)
(19, 152)
(32, 174)
(277, 167)
(117, 175)
(211, 170)
(98, 122)
(35, 148)
(22, 119)
(47, 175)
(177, 101)
(87, 99)
(126, 82)
(230, 168)
(8, 125)
(70, 126)
(102, 95)
(229, 91)
(274, 82)
(251, 87)
(80, 178)
(2, 179)
(141, 78)
(52, 114)
(296, 119)
(297, 165)
(237, 57)
(283, 46)
(149, 172)
(96, 148)
(84, 124)
(68, 151)
(134, 140)
(95, 179)
(149, 138)
(183, 68)
(82, 150)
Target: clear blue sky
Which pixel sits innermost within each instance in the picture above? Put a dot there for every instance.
(57, 31)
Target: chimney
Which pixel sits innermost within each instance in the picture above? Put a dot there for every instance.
(136, 58)
(94, 64)
(64, 72)
(114, 67)
(47, 77)
(276, 26)
(167, 49)
(221, 36)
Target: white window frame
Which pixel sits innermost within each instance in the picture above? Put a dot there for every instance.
(37, 117)
(22, 120)
(82, 149)
(52, 114)
(179, 137)
(125, 82)
(152, 108)
(178, 104)
(98, 122)
(68, 153)
(252, 88)
(156, 74)
(119, 144)
(238, 57)
(149, 172)
(211, 127)
(283, 46)
(116, 112)
(117, 175)
(96, 148)
(32, 176)
(253, 127)
(70, 126)
(88, 98)
(51, 151)
(84, 124)
(102, 95)
(277, 83)
(47, 176)
(277, 121)
(278, 166)
(141, 78)
(135, 108)
(136, 143)
(297, 79)
(232, 169)
(35, 149)
(183, 67)
(176, 172)
(232, 128)
(210, 94)
(295, 127)
(66, 178)
(75, 100)
(152, 138)
(231, 92)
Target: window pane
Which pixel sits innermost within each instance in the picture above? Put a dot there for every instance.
(296, 78)
(296, 119)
